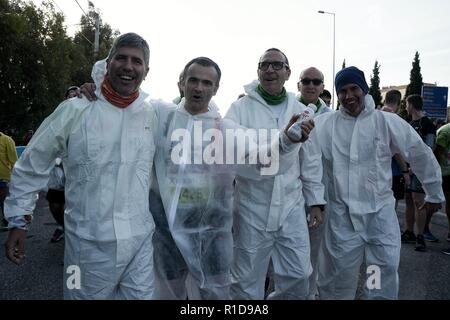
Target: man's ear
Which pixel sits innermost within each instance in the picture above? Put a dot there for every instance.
(146, 72)
(288, 74)
(215, 90)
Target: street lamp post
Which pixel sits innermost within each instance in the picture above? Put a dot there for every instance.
(334, 49)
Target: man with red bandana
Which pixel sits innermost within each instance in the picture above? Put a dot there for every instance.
(107, 148)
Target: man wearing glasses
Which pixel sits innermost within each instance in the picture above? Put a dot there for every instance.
(311, 87)
(270, 221)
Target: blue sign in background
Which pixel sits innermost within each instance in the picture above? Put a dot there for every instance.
(19, 150)
(435, 101)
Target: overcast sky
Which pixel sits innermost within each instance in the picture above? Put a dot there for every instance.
(235, 33)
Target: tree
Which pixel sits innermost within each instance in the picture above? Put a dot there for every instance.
(374, 89)
(415, 84)
(34, 64)
(39, 61)
(415, 78)
(84, 43)
(338, 102)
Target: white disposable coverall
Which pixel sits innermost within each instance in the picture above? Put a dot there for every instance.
(57, 178)
(270, 220)
(108, 156)
(197, 200)
(192, 205)
(316, 234)
(362, 222)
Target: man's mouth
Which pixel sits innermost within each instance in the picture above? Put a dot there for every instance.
(126, 78)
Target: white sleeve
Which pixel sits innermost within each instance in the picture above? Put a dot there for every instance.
(311, 171)
(32, 170)
(406, 141)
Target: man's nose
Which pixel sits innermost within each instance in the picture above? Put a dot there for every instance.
(270, 67)
(348, 95)
(128, 65)
(198, 86)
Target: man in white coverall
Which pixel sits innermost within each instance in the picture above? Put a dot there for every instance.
(107, 149)
(270, 220)
(310, 86)
(357, 145)
(191, 197)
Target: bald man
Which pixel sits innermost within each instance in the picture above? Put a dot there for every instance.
(310, 87)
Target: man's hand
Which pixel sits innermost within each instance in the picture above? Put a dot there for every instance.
(15, 245)
(306, 126)
(315, 217)
(430, 207)
(88, 90)
(407, 179)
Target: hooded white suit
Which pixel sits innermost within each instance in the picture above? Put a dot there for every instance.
(270, 220)
(108, 155)
(361, 221)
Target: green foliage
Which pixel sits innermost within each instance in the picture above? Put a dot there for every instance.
(415, 78)
(374, 89)
(414, 86)
(84, 42)
(38, 61)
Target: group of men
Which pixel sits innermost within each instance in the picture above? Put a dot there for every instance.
(154, 211)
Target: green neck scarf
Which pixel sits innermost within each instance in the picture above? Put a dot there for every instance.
(270, 99)
(318, 104)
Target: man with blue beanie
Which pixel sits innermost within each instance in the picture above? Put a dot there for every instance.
(357, 144)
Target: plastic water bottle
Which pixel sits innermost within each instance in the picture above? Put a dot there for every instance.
(295, 131)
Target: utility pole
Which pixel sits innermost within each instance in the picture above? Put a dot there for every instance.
(97, 35)
(334, 50)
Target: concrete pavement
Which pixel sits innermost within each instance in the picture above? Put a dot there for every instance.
(423, 275)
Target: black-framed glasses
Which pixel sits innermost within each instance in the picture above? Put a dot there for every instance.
(316, 82)
(276, 65)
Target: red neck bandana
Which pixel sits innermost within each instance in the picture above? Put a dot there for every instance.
(114, 98)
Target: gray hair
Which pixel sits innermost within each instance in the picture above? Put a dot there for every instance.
(131, 40)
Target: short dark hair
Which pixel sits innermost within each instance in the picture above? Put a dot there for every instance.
(205, 62)
(416, 101)
(277, 50)
(132, 40)
(393, 97)
(325, 94)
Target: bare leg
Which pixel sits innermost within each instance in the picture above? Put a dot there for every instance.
(421, 215)
(409, 212)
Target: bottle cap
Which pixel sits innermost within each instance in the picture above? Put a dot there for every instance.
(312, 106)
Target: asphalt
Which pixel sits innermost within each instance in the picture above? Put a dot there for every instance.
(423, 275)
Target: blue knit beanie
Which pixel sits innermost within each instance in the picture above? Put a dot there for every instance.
(351, 75)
